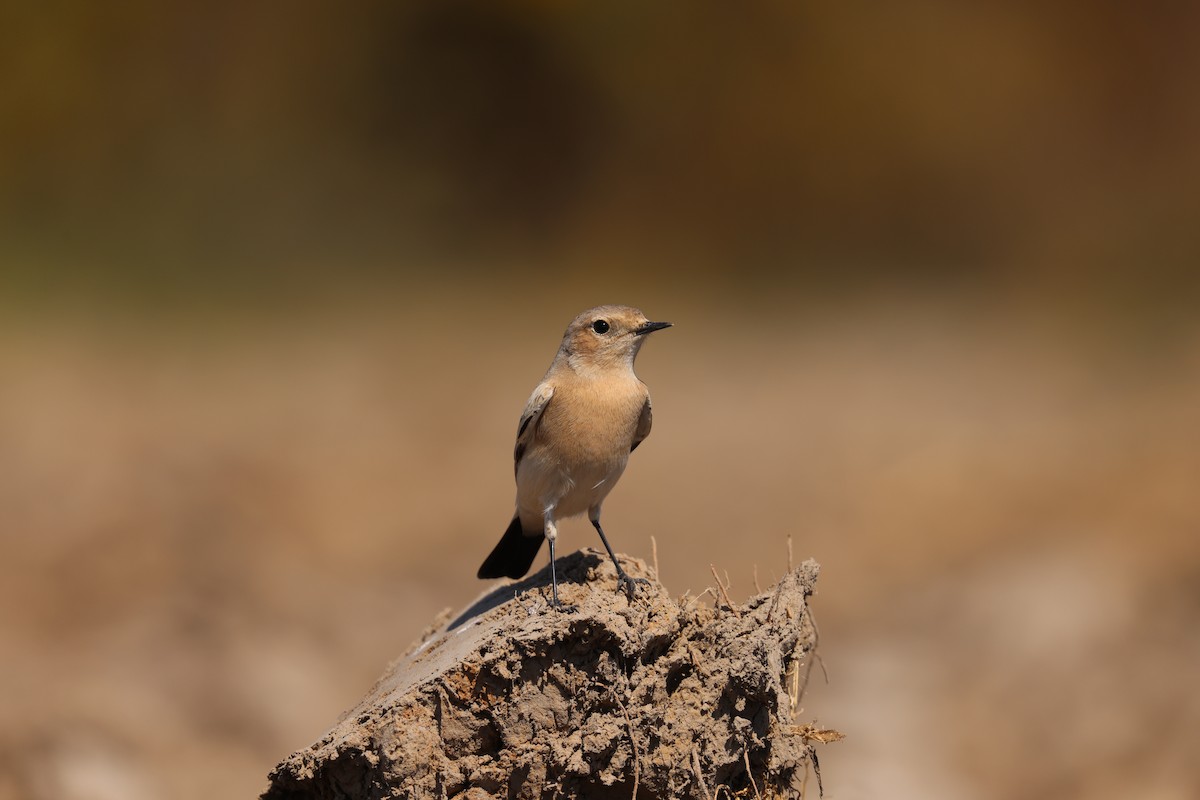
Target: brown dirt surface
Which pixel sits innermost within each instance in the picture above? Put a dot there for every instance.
(613, 698)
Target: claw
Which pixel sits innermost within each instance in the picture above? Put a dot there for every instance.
(629, 585)
(558, 605)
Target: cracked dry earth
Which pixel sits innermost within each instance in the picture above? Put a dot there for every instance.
(653, 698)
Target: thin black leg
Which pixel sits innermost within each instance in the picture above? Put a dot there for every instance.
(628, 584)
(553, 575)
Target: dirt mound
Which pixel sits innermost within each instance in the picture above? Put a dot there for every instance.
(651, 698)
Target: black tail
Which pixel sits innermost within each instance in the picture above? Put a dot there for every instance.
(513, 556)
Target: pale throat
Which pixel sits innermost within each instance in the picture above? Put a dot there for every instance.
(616, 365)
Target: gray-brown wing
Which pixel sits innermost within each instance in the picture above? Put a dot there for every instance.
(645, 420)
(529, 420)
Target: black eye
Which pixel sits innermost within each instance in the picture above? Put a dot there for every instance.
(600, 326)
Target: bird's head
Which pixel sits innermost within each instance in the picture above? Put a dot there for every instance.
(606, 337)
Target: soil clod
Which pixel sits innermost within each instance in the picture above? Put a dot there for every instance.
(621, 699)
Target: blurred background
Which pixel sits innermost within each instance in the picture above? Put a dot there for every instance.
(275, 284)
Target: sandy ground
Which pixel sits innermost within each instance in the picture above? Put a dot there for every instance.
(215, 539)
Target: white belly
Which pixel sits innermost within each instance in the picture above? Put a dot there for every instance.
(542, 484)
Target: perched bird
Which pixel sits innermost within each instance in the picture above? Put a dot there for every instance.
(574, 439)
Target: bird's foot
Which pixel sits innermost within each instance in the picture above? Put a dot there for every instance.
(559, 606)
(629, 585)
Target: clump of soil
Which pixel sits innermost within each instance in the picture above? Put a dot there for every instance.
(653, 698)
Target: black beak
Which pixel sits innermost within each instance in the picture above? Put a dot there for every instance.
(650, 327)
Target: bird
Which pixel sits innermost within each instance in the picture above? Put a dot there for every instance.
(574, 438)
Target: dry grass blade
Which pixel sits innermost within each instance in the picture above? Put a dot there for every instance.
(811, 733)
(721, 586)
(699, 774)
(637, 757)
(750, 772)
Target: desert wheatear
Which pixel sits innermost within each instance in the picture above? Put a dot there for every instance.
(574, 439)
